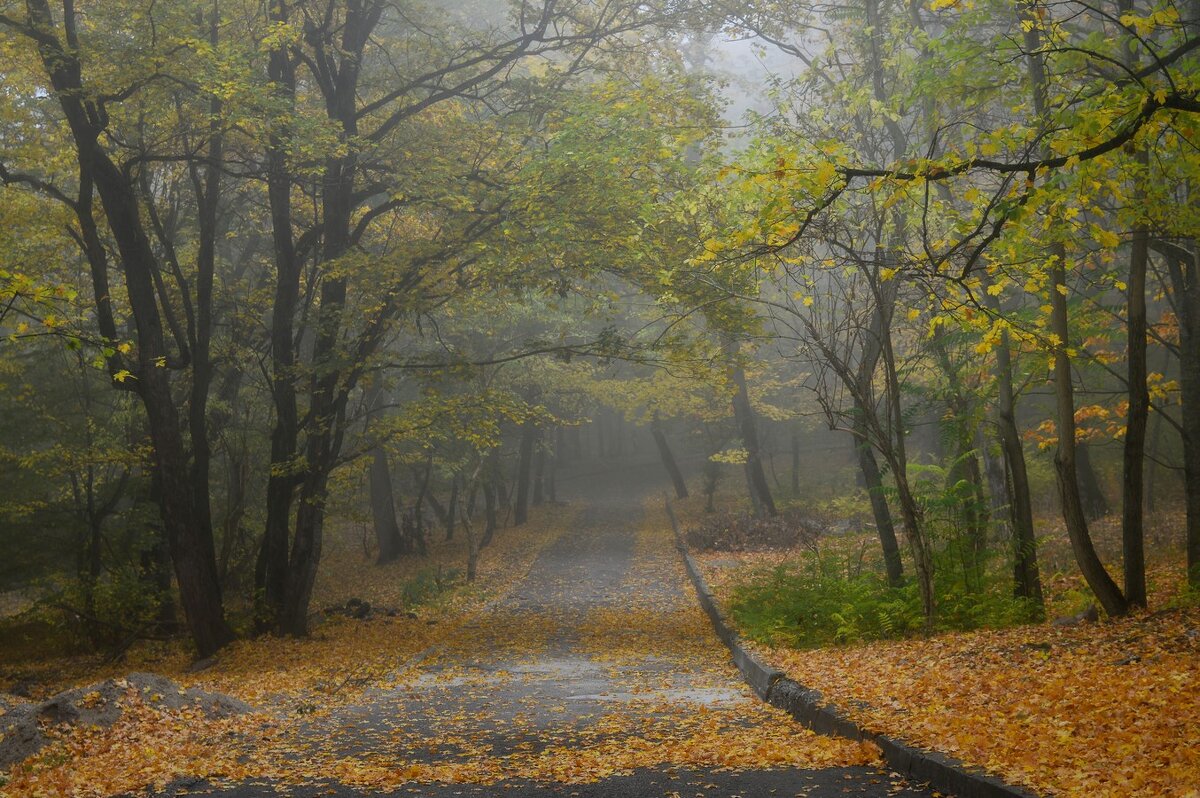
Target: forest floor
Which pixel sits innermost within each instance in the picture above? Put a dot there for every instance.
(1102, 710)
(579, 664)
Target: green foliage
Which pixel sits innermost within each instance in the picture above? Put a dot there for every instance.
(428, 584)
(820, 599)
(813, 602)
(120, 605)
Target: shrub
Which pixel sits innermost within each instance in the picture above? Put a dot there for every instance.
(428, 584)
(816, 601)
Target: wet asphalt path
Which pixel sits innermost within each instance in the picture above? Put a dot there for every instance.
(569, 662)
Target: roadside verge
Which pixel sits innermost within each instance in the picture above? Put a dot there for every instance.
(810, 709)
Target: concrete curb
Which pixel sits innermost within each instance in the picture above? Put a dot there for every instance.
(809, 707)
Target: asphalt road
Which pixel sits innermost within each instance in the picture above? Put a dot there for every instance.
(593, 662)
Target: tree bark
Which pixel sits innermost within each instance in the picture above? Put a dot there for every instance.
(668, 458)
(539, 469)
(190, 541)
(756, 478)
(1074, 516)
(1027, 581)
(884, 528)
(1106, 590)
(270, 577)
(524, 472)
(1183, 269)
(452, 508)
(1095, 503)
(383, 509)
(489, 509)
(1133, 532)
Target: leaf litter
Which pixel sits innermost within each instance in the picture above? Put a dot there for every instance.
(488, 697)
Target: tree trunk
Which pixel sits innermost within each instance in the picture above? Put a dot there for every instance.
(922, 554)
(1183, 268)
(552, 465)
(668, 458)
(1190, 410)
(1133, 532)
(191, 542)
(884, 527)
(1098, 579)
(617, 430)
(270, 576)
(1154, 456)
(472, 548)
(383, 509)
(997, 486)
(756, 478)
(1027, 581)
(1074, 515)
(539, 469)
(452, 508)
(524, 472)
(1095, 503)
(489, 509)
(972, 507)
(306, 553)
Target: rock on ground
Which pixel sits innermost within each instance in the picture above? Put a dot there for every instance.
(23, 723)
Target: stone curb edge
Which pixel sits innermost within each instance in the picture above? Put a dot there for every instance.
(809, 707)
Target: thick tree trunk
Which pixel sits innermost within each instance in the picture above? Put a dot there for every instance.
(1134, 454)
(305, 554)
(190, 541)
(383, 509)
(270, 577)
(1133, 533)
(668, 458)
